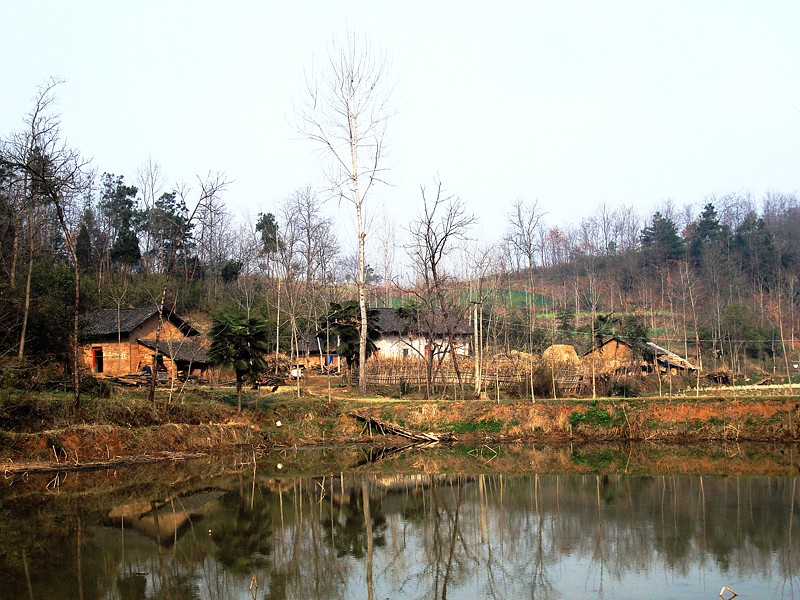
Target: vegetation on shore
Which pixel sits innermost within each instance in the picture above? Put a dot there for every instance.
(44, 430)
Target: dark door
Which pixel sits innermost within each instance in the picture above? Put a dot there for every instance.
(97, 359)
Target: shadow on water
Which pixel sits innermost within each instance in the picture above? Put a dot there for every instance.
(592, 521)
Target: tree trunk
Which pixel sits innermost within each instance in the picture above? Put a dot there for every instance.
(151, 393)
(27, 302)
(360, 279)
(238, 394)
(76, 376)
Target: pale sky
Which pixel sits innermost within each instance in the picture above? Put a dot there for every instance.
(571, 103)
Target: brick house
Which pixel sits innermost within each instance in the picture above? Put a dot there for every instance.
(616, 353)
(115, 343)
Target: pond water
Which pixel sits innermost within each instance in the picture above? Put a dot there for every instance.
(228, 529)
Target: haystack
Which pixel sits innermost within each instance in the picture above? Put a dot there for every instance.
(561, 355)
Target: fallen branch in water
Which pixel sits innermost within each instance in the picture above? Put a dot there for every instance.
(386, 427)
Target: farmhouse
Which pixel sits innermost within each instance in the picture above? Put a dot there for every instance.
(617, 353)
(408, 335)
(119, 342)
(316, 351)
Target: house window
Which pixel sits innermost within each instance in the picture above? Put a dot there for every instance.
(97, 359)
(405, 352)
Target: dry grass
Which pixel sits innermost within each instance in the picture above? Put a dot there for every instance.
(561, 354)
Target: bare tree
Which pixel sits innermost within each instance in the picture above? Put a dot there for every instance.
(523, 236)
(388, 242)
(57, 173)
(215, 243)
(345, 112)
(289, 268)
(210, 189)
(150, 181)
(444, 220)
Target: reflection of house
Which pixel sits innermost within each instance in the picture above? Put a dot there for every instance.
(618, 353)
(166, 520)
(407, 335)
(121, 342)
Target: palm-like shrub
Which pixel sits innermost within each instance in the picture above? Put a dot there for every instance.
(239, 342)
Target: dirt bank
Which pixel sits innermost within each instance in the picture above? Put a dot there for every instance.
(310, 421)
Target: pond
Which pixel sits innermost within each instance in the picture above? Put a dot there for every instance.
(393, 526)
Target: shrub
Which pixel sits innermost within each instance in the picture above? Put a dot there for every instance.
(542, 385)
(593, 416)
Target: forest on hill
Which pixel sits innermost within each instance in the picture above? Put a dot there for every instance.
(716, 282)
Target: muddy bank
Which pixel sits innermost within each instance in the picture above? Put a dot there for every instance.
(316, 422)
(664, 420)
(96, 446)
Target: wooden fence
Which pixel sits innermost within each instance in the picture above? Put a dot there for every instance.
(498, 372)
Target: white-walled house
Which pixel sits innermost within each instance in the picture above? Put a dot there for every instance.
(406, 336)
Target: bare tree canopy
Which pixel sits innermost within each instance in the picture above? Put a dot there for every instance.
(345, 113)
(444, 222)
(53, 173)
(346, 110)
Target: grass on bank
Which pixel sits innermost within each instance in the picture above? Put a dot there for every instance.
(313, 416)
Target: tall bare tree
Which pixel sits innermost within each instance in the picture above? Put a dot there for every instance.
(345, 112)
(151, 182)
(210, 189)
(523, 236)
(444, 221)
(56, 173)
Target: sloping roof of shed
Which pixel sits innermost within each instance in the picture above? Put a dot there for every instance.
(670, 357)
(648, 348)
(103, 322)
(181, 349)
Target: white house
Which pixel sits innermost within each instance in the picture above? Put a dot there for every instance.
(408, 335)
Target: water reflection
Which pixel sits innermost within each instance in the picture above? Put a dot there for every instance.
(413, 536)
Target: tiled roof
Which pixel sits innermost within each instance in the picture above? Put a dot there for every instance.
(390, 322)
(648, 348)
(178, 349)
(103, 322)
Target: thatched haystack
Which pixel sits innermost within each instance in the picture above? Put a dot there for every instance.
(511, 363)
(561, 355)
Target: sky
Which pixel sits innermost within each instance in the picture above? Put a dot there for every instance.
(572, 103)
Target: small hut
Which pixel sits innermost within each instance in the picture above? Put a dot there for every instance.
(617, 354)
(121, 342)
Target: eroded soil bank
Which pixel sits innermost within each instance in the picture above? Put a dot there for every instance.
(316, 421)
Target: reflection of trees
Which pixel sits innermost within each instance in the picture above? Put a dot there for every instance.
(485, 536)
(447, 564)
(346, 531)
(244, 539)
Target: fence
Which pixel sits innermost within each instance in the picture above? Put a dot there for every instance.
(500, 372)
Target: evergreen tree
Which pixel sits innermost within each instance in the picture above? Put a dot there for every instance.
(267, 226)
(126, 250)
(705, 232)
(660, 241)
